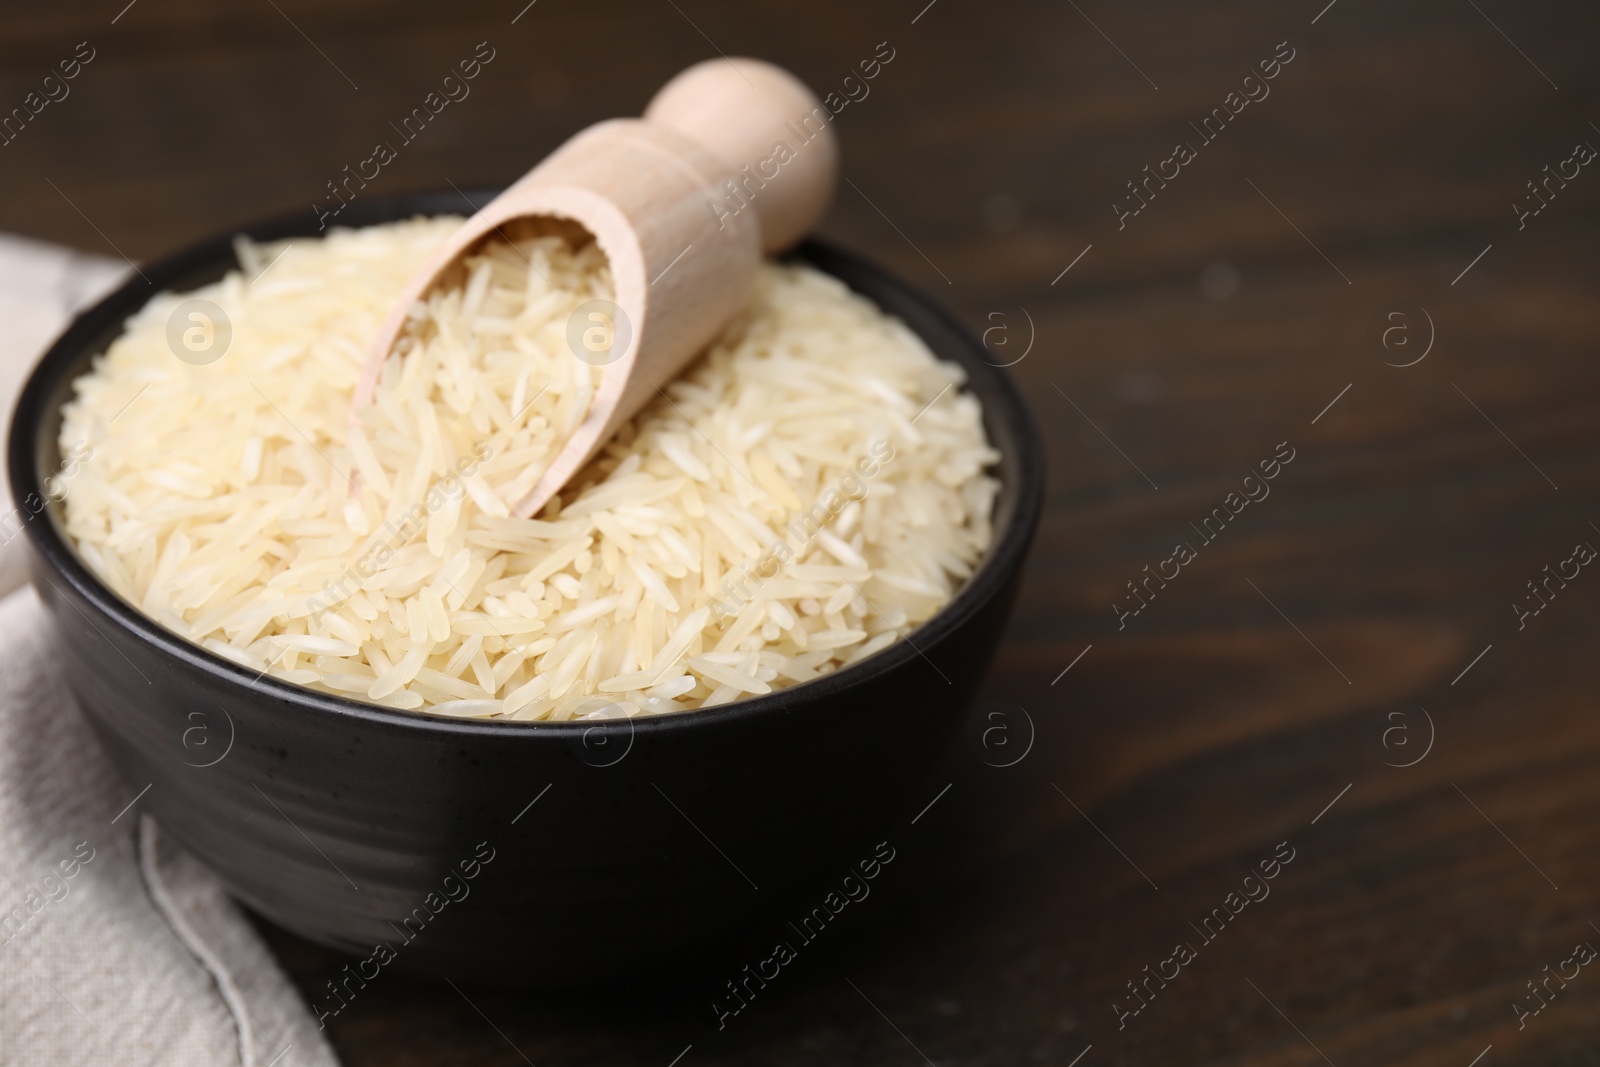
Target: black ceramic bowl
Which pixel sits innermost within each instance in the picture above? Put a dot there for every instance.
(546, 854)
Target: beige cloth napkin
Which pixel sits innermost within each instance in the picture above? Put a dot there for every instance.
(116, 946)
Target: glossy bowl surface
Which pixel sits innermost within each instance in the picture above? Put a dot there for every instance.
(539, 854)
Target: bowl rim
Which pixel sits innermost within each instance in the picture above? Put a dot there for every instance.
(1003, 558)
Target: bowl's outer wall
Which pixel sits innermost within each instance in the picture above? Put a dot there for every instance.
(340, 821)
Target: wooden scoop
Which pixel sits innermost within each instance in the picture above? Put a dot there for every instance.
(732, 158)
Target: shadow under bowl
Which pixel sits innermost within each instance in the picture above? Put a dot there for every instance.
(542, 854)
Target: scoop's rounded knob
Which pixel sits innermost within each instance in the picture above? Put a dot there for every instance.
(768, 128)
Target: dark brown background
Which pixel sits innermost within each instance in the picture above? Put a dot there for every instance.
(1211, 728)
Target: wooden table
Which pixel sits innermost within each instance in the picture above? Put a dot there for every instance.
(1342, 273)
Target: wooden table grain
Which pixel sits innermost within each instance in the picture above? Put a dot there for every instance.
(1380, 663)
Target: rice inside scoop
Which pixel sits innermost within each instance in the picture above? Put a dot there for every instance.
(809, 491)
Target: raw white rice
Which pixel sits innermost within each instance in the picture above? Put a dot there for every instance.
(802, 497)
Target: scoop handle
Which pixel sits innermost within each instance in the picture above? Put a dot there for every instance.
(769, 129)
